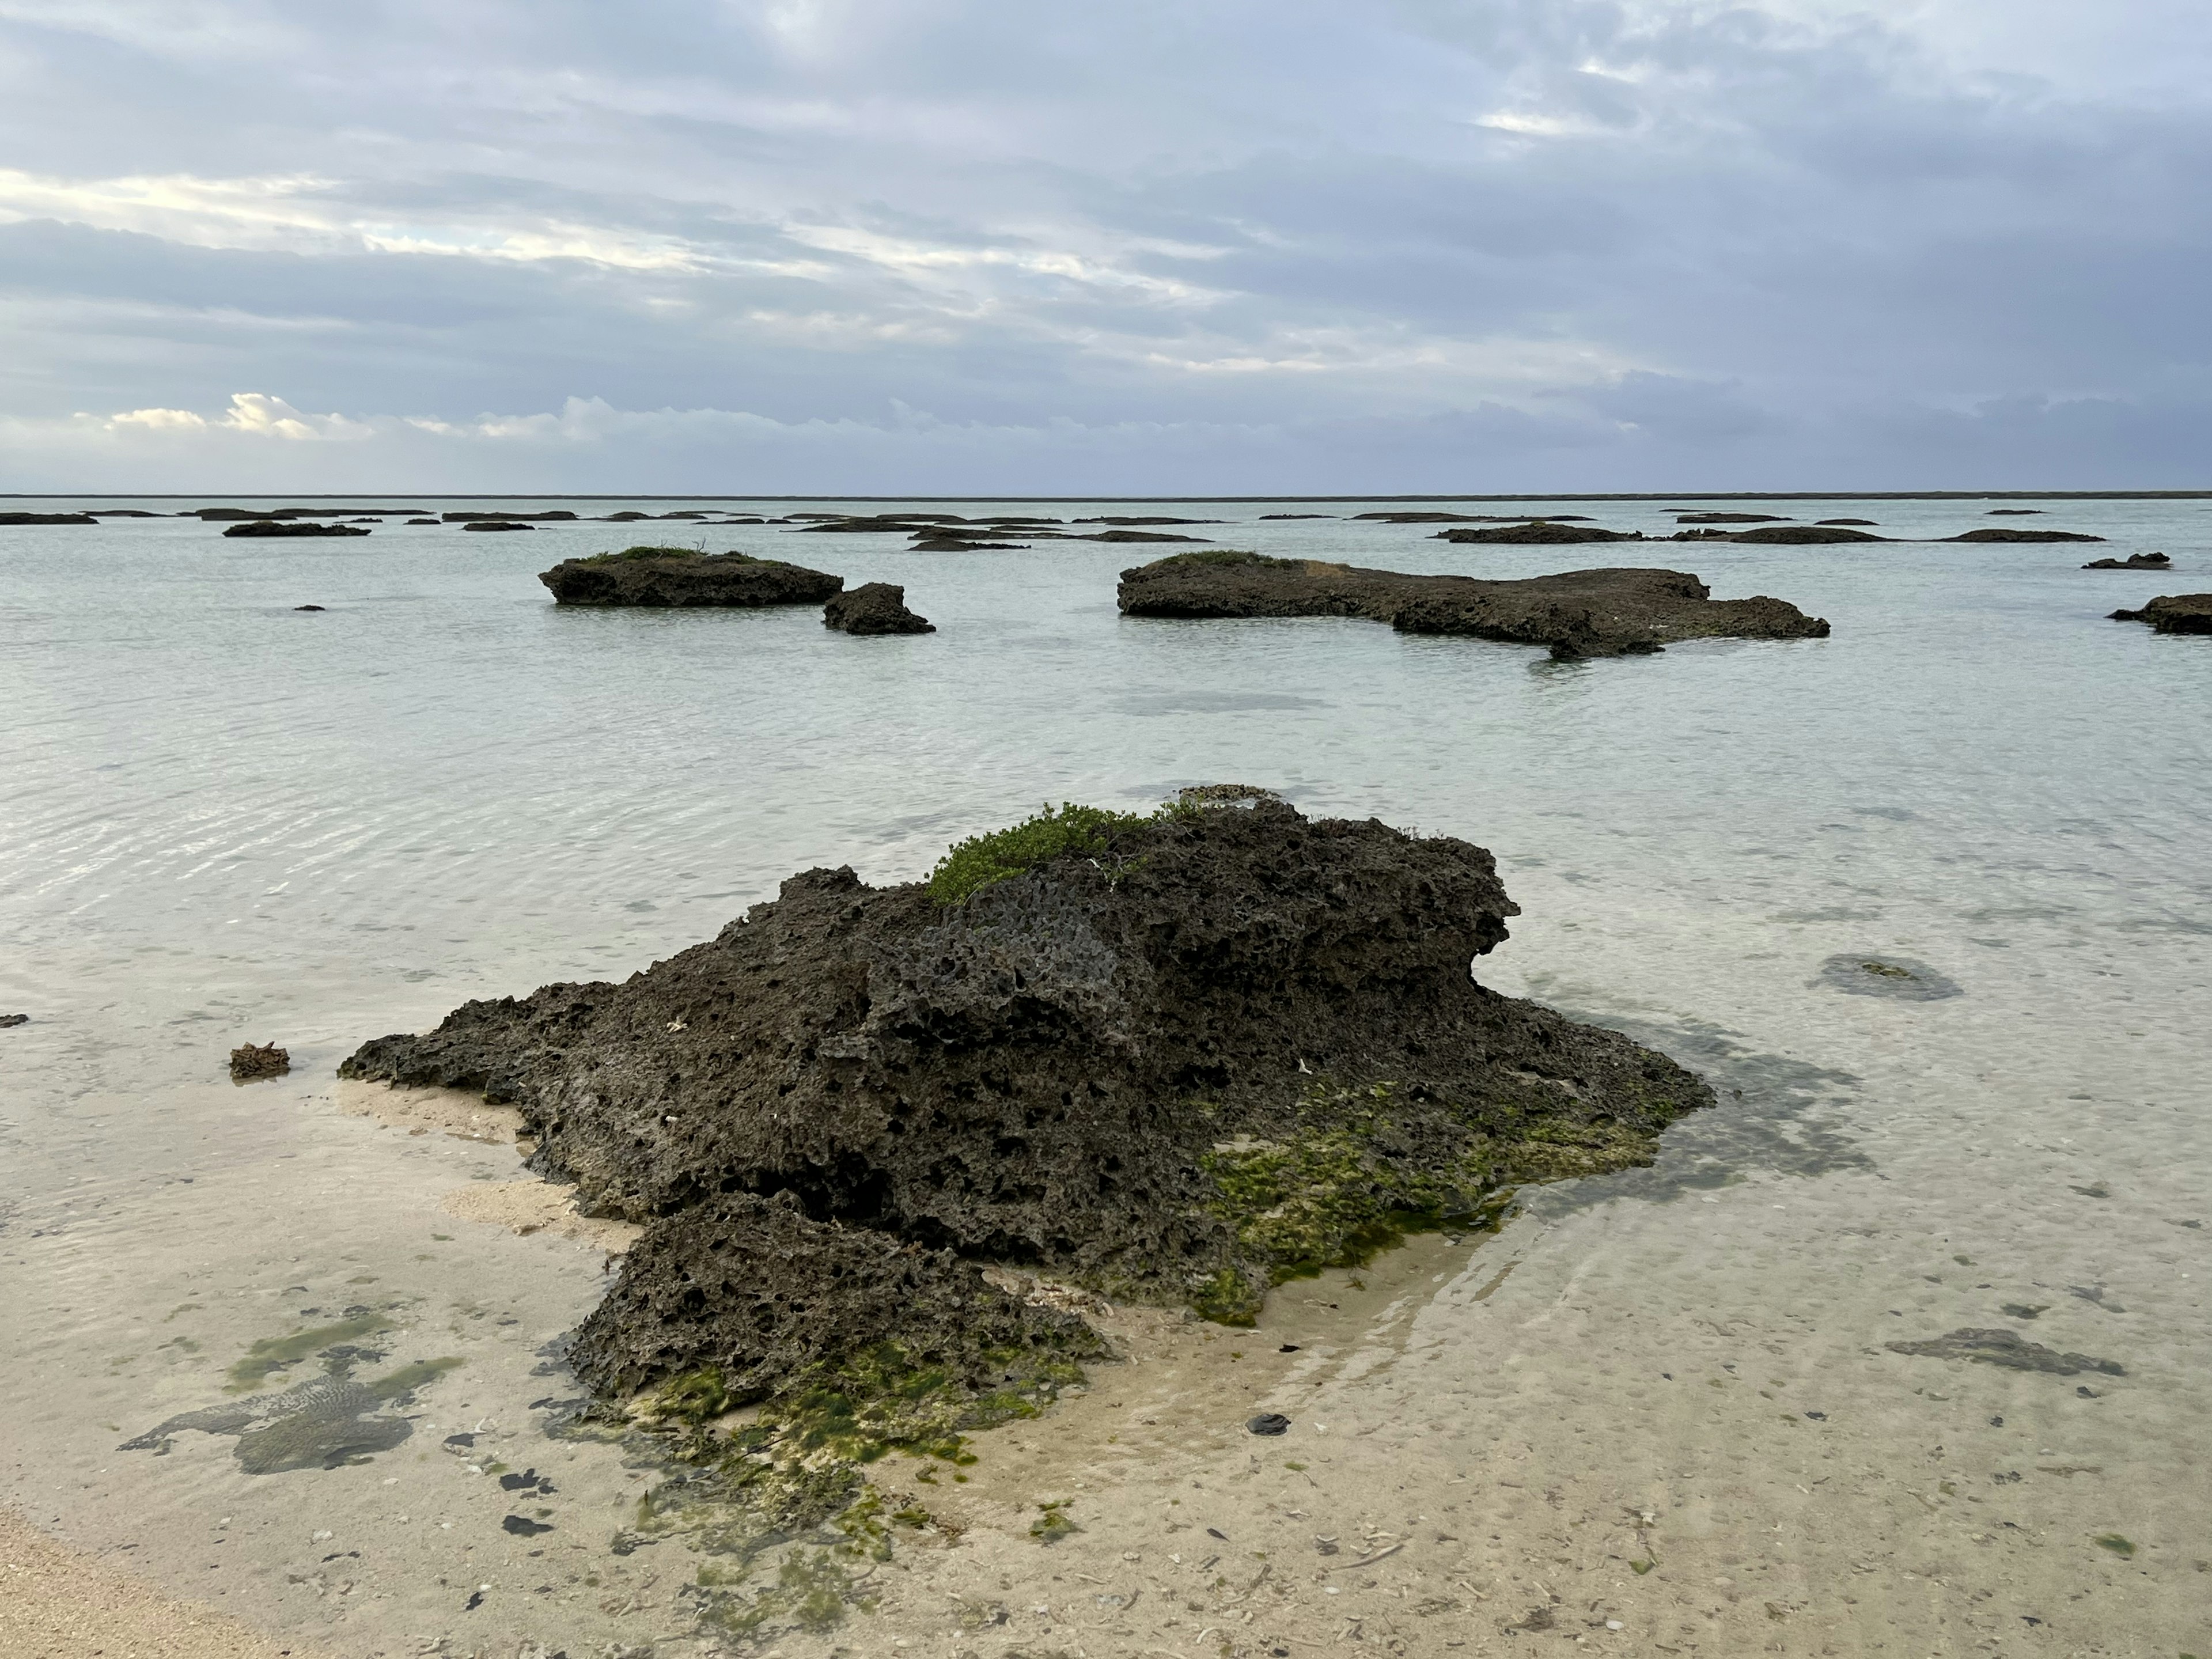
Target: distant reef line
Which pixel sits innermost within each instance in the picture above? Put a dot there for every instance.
(832, 495)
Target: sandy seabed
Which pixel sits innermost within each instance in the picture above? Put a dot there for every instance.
(1658, 1412)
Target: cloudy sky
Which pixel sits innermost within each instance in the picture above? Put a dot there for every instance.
(1159, 246)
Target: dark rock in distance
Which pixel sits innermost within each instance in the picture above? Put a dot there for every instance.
(307, 607)
(1134, 535)
(2007, 533)
(47, 518)
(1136, 520)
(416, 521)
(1580, 613)
(1073, 1069)
(1539, 532)
(964, 545)
(2173, 613)
(463, 517)
(496, 524)
(678, 576)
(1796, 535)
(8, 1022)
(874, 608)
(2133, 562)
(259, 1060)
(1729, 518)
(1397, 517)
(292, 527)
(1849, 522)
(2012, 512)
(1264, 516)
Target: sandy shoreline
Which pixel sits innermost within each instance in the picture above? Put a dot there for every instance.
(1684, 1370)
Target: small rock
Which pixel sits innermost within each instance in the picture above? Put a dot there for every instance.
(1269, 1423)
(307, 607)
(874, 608)
(259, 1060)
(2133, 562)
(521, 1526)
(8, 1020)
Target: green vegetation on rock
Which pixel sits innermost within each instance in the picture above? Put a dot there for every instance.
(1231, 556)
(975, 863)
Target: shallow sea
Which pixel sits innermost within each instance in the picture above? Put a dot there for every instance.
(225, 819)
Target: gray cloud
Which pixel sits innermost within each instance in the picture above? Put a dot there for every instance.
(891, 243)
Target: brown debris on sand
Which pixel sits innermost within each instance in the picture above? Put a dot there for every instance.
(2008, 1349)
(1178, 1058)
(1579, 613)
(680, 577)
(2173, 613)
(259, 1060)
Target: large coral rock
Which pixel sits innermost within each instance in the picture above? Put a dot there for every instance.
(1579, 613)
(2173, 613)
(1177, 1062)
(874, 608)
(675, 576)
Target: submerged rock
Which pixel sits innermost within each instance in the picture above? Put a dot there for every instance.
(1179, 1057)
(874, 608)
(2012, 533)
(259, 1060)
(1579, 613)
(2173, 613)
(682, 576)
(2133, 562)
(1539, 531)
(292, 527)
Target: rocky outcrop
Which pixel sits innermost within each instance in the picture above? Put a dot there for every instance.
(496, 524)
(292, 527)
(2133, 562)
(1793, 535)
(1580, 613)
(2173, 613)
(1727, 517)
(554, 517)
(1539, 532)
(1847, 521)
(47, 518)
(874, 608)
(2011, 533)
(1179, 1057)
(679, 576)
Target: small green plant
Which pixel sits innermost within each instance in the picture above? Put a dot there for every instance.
(2119, 1546)
(972, 864)
(1053, 1524)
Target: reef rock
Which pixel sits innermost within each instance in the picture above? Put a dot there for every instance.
(1180, 1057)
(1539, 531)
(680, 577)
(874, 608)
(47, 518)
(1793, 535)
(1727, 517)
(2133, 562)
(1580, 613)
(2012, 533)
(2173, 613)
(292, 527)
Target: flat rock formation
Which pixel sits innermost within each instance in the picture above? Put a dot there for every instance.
(1179, 1057)
(497, 523)
(555, 516)
(1790, 535)
(2173, 613)
(1847, 521)
(874, 608)
(2009, 534)
(47, 518)
(2133, 562)
(679, 576)
(1539, 531)
(1727, 517)
(292, 527)
(1580, 613)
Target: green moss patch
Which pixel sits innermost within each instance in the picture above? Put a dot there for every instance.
(973, 864)
(275, 1354)
(669, 553)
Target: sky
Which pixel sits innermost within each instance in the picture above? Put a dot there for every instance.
(1162, 247)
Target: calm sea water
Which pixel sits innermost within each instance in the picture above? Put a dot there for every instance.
(224, 817)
